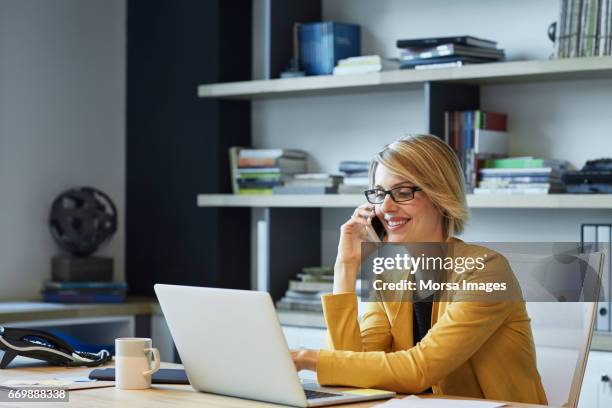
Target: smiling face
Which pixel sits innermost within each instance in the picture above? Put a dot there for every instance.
(417, 220)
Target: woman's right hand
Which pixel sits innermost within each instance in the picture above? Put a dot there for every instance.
(352, 233)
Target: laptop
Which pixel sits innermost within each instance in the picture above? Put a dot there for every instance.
(231, 343)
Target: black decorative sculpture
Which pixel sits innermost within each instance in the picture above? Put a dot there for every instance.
(82, 220)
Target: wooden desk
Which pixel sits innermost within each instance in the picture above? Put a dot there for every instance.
(31, 311)
(162, 396)
(94, 323)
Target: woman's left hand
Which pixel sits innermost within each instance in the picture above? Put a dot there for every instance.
(305, 359)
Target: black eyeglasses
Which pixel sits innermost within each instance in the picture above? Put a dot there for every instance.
(398, 194)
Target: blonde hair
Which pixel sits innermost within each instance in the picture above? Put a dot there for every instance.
(431, 164)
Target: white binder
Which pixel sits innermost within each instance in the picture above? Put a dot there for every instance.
(600, 236)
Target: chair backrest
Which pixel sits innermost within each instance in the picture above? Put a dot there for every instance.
(562, 331)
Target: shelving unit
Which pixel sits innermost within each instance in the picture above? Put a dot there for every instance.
(292, 231)
(443, 90)
(548, 201)
(477, 74)
(289, 235)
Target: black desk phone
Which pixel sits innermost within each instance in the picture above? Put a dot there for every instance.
(45, 346)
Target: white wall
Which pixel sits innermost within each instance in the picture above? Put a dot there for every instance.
(62, 124)
(567, 120)
(337, 127)
(519, 26)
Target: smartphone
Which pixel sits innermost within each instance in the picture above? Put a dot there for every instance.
(377, 229)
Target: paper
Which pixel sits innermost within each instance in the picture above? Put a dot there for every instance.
(415, 402)
(38, 383)
(72, 384)
(366, 391)
(19, 383)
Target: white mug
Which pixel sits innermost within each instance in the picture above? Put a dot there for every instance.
(133, 364)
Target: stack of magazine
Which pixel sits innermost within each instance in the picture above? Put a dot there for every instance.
(445, 52)
(521, 175)
(595, 177)
(309, 183)
(355, 176)
(258, 171)
(304, 293)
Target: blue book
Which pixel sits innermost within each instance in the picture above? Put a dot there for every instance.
(255, 183)
(83, 298)
(85, 285)
(323, 44)
(517, 179)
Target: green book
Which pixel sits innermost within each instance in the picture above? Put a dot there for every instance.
(255, 191)
(260, 176)
(519, 163)
(318, 270)
(477, 119)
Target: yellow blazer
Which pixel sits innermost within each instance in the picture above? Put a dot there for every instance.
(478, 349)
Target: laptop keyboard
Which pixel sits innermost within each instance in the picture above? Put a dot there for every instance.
(312, 394)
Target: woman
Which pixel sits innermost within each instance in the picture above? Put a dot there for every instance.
(478, 349)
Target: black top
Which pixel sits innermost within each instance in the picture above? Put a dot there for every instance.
(421, 316)
(421, 322)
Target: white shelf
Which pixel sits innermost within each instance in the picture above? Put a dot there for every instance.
(301, 319)
(499, 72)
(281, 200)
(543, 201)
(548, 201)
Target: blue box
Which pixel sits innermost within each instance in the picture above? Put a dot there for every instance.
(323, 44)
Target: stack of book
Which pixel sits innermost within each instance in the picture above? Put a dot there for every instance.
(355, 176)
(304, 294)
(364, 64)
(258, 171)
(595, 177)
(309, 183)
(444, 52)
(584, 29)
(521, 175)
(84, 292)
(476, 136)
